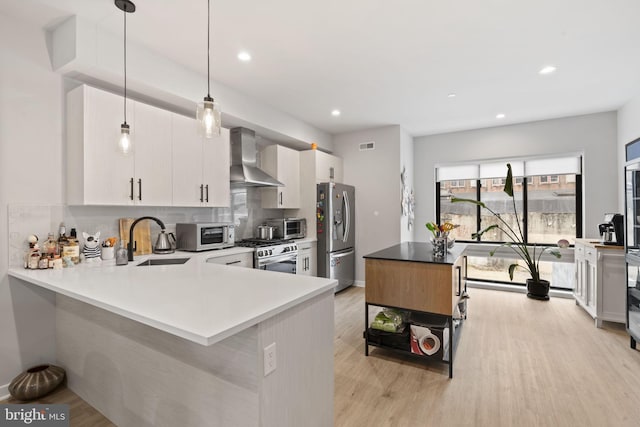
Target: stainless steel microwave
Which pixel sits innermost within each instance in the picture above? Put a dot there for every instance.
(289, 228)
(204, 236)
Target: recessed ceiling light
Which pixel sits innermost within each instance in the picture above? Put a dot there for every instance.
(549, 69)
(451, 95)
(244, 56)
(500, 116)
(335, 113)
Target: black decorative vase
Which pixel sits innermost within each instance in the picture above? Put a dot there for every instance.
(36, 382)
(538, 290)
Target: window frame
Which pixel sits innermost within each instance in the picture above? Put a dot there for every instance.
(524, 213)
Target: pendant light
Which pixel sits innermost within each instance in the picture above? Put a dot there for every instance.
(208, 112)
(124, 144)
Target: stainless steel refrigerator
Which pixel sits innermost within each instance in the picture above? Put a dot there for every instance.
(336, 229)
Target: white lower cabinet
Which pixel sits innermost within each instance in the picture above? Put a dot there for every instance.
(237, 260)
(307, 252)
(600, 281)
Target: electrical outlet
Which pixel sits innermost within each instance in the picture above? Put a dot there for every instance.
(269, 359)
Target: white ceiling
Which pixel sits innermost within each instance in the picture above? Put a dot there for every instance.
(383, 62)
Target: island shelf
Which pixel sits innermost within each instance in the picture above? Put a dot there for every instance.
(408, 277)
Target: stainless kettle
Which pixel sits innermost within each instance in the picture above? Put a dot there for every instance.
(164, 244)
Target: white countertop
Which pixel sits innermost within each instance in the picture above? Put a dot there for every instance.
(199, 301)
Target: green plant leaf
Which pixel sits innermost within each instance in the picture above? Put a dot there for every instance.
(481, 232)
(512, 269)
(555, 252)
(508, 185)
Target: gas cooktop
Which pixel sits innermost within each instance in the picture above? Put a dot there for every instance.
(261, 243)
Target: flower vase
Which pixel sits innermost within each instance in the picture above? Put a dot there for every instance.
(439, 246)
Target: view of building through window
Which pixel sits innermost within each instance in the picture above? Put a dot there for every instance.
(551, 214)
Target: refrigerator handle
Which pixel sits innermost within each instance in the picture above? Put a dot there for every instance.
(341, 254)
(347, 216)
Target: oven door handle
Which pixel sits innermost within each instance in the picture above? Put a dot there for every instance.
(291, 256)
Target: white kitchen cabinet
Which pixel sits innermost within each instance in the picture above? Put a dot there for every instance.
(152, 155)
(237, 260)
(307, 258)
(314, 169)
(283, 164)
(97, 172)
(324, 163)
(200, 166)
(600, 281)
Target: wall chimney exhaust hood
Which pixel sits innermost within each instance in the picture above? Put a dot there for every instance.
(244, 169)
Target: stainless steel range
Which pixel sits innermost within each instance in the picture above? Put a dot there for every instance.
(273, 255)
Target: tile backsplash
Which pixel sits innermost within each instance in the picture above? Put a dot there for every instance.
(245, 212)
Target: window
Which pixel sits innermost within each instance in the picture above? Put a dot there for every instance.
(549, 179)
(548, 202)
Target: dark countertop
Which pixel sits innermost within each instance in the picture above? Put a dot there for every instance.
(417, 252)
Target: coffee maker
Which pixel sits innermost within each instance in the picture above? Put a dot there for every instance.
(612, 229)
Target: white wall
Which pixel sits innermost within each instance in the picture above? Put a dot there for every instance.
(595, 135)
(628, 130)
(31, 172)
(157, 80)
(376, 176)
(406, 161)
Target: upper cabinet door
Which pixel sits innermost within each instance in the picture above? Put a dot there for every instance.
(97, 172)
(215, 170)
(188, 183)
(324, 163)
(152, 144)
(283, 164)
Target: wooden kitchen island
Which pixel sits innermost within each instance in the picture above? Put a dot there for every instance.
(408, 277)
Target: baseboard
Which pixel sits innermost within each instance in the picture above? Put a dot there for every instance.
(359, 283)
(514, 288)
(4, 392)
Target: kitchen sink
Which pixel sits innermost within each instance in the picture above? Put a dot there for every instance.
(164, 261)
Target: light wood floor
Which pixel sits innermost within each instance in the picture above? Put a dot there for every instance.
(520, 362)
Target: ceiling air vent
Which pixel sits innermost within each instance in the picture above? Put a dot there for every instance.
(364, 146)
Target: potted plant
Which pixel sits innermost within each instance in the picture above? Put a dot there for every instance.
(537, 288)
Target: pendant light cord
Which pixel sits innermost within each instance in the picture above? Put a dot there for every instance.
(125, 66)
(208, 48)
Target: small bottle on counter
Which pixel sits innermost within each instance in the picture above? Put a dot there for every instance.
(72, 247)
(62, 237)
(34, 259)
(56, 262)
(43, 262)
(50, 246)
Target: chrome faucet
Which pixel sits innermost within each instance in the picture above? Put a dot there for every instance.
(131, 247)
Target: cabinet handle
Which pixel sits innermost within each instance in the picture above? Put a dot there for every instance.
(201, 193)
(140, 189)
(207, 192)
(131, 194)
(281, 198)
(459, 291)
(233, 262)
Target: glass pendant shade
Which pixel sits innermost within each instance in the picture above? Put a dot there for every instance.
(209, 118)
(124, 144)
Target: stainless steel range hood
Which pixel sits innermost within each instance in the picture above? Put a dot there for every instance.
(244, 168)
